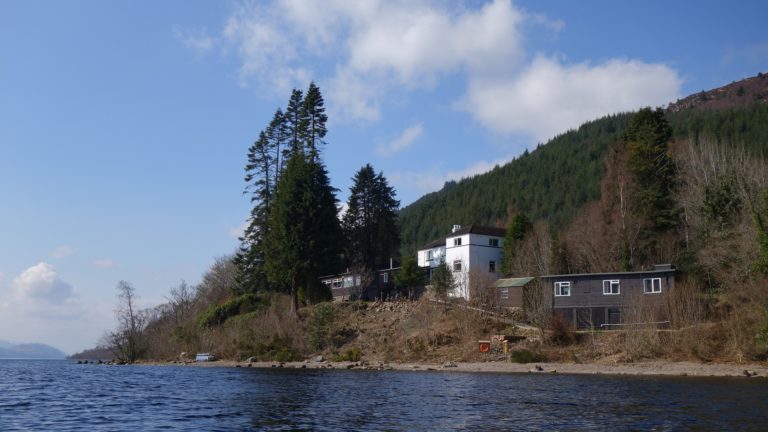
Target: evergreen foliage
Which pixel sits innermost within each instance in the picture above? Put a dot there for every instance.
(722, 201)
(550, 183)
(555, 180)
(516, 232)
(293, 115)
(743, 127)
(410, 275)
(370, 223)
(312, 120)
(296, 132)
(304, 237)
(442, 282)
(260, 183)
(321, 325)
(217, 314)
(647, 138)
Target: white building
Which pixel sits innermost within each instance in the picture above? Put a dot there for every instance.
(473, 253)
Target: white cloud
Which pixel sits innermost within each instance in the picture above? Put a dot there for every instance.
(365, 53)
(104, 263)
(62, 252)
(402, 142)
(549, 98)
(200, 42)
(41, 287)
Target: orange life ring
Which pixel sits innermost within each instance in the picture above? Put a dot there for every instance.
(485, 347)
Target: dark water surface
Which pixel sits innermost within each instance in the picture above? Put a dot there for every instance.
(60, 395)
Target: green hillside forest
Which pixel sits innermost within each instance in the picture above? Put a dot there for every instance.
(556, 179)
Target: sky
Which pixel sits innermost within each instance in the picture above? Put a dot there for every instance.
(124, 124)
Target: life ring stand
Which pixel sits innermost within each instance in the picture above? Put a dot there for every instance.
(485, 346)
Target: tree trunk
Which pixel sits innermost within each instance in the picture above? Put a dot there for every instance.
(294, 297)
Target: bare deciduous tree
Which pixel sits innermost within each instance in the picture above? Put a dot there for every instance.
(126, 342)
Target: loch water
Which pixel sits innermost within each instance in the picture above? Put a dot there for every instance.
(65, 396)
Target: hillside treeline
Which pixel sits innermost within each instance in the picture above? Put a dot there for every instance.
(555, 180)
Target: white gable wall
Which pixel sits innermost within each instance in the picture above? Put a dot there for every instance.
(438, 253)
(474, 255)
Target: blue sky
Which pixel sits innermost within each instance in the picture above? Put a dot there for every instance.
(125, 123)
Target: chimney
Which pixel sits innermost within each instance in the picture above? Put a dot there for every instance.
(455, 228)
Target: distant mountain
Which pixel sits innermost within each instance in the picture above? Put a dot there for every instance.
(738, 94)
(97, 353)
(29, 351)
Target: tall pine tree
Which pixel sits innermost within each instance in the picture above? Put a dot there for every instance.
(293, 114)
(304, 238)
(260, 184)
(370, 223)
(647, 138)
(518, 228)
(277, 135)
(312, 121)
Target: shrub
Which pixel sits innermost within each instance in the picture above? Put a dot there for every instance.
(277, 349)
(352, 354)
(561, 330)
(320, 325)
(526, 356)
(218, 314)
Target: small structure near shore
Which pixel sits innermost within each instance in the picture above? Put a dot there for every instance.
(204, 357)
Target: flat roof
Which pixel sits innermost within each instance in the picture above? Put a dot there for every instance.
(671, 270)
(513, 282)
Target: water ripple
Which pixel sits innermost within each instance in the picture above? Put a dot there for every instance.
(59, 395)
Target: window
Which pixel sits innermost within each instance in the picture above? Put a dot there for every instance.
(562, 289)
(610, 287)
(503, 293)
(430, 255)
(652, 285)
(493, 242)
(457, 241)
(457, 265)
(491, 266)
(385, 277)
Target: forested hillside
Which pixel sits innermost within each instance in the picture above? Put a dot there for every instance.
(554, 181)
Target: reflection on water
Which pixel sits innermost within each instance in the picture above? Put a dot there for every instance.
(58, 395)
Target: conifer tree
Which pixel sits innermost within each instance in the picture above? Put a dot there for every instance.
(277, 135)
(518, 228)
(312, 120)
(370, 223)
(260, 184)
(442, 282)
(410, 275)
(647, 138)
(303, 241)
(293, 113)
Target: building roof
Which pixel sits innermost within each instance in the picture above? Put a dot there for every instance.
(655, 271)
(472, 229)
(479, 229)
(434, 244)
(513, 282)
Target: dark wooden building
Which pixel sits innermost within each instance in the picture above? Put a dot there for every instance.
(510, 292)
(354, 286)
(612, 300)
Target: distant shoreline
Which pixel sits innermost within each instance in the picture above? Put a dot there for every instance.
(649, 368)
